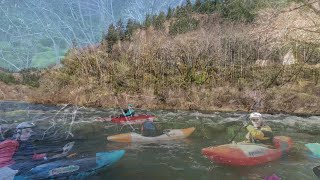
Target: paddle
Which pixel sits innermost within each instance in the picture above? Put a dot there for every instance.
(235, 135)
(66, 149)
(252, 109)
(316, 171)
(125, 116)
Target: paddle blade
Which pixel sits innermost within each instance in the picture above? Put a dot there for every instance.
(316, 171)
(68, 147)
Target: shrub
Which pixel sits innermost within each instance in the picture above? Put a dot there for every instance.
(7, 78)
(31, 77)
(183, 25)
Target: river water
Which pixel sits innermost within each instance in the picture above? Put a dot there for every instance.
(57, 125)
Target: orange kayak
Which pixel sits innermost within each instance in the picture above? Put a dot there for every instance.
(248, 154)
(173, 134)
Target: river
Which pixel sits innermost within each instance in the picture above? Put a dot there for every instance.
(57, 125)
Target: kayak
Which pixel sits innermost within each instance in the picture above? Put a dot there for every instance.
(173, 134)
(7, 149)
(314, 148)
(248, 154)
(73, 169)
(138, 119)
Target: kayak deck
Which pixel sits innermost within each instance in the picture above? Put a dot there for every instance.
(173, 134)
(247, 154)
(74, 169)
(138, 119)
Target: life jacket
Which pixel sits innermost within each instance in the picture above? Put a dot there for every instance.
(267, 136)
(7, 150)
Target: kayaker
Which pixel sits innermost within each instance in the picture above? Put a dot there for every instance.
(129, 111)
(258, 132)
(26, 152)
(148, 128)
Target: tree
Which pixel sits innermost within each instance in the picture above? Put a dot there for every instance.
(208, 6)
(130, 28)
(197, 5)
(112, 37)
(170, 13)
(159, 21)
(120, 29)
(188, 6)
(148, 21)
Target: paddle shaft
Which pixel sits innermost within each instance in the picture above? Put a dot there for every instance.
(251, 109)
(124, 115)
(236, 134)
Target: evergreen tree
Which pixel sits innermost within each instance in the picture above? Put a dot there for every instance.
(188, 6)
(120, 29)
(154, 20)
(197, 6)
(170, 13)
(159, 21)
(176, 11)
(112, 37)
(130, 28)
(182, 12)
(148, 21)
(207, 7)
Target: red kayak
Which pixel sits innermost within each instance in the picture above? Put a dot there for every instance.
(138, 119)
(248, 154)
(7, 149)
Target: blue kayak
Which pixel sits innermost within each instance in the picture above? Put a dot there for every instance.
(73, 169)
(314, 148)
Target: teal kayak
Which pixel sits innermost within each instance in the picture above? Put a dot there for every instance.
(73, 169)
(314, 148)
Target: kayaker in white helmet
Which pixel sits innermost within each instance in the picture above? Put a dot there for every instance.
(258, 132)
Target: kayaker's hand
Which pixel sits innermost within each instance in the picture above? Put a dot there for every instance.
(245, 124)
(39, 156)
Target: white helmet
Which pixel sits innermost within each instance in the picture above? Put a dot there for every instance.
(24, 125)
(255, 115)
(256, 119)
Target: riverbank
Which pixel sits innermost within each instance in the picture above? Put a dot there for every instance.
(223, 99)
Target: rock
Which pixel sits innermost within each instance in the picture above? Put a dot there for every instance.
(289, 59)
(263, 63)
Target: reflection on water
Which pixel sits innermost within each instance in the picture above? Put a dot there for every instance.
(168, 160)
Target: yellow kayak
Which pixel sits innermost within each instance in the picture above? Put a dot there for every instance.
(173, 134)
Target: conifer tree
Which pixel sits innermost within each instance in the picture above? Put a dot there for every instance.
(170, 13)
(130, 28)
(148, 21)
(159, 23)
(197, 5)
(188, 6)
(208, 6)
(112, 37)
(120, 29)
